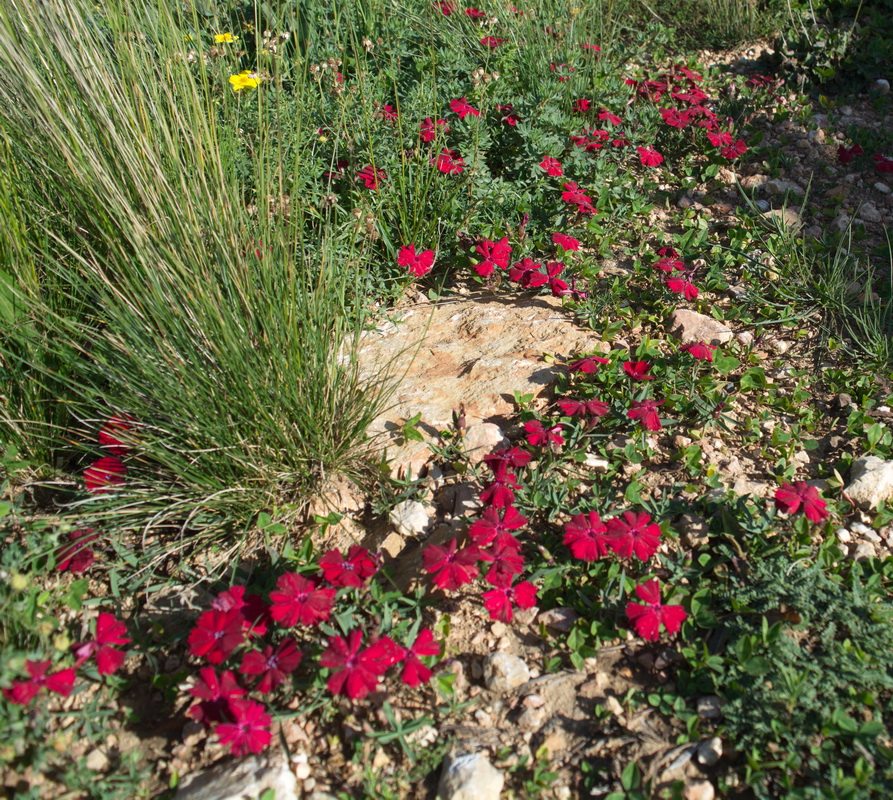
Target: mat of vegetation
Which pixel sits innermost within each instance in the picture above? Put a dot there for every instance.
(671, 579)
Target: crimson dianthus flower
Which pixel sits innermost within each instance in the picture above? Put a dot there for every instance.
(583, 408)
(357, 671)
(634, 534)
(557, 286)
(449, 162)
(417, 264)
(447, 7)
(371, 176)
(354, 569)
(733, 151)
(251, 607)
(573, 194)
(491, 41)
(76, 556)
(112, 435)
(105, 474)
(638, 370)
(493, 254)
(500, 460)
(646, 410)
(648, 618)
(700, 350)
(500, 602)
(587, 365)
(216, 634)
(882, 163)
(109, 633)
(847, 154)
(429, 129)
(540, 436)
(214, 694)
(505, 561)
(582, 105)
(566, 243)
(249, 731)
(463, 108)
(585, 536)
(23, 692)
(415, 672)
(494, 527)
(607, 116)
(668, 264)
(474, 13)
(509, 116)
(528, 273)
(498, 492)
(449, 566)
(720, 138)
(680, 284)
(587, 46)
(649, 156)
(552, 166)
(299, 601)
(273, 666)
(389, 114)
(790, 497)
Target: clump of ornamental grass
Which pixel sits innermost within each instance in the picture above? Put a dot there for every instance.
(145, 290)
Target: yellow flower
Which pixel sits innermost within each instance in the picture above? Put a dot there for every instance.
(224, 38)
(244, 80)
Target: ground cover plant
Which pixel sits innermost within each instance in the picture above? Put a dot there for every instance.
(206, 206)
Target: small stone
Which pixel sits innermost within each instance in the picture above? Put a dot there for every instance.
(559, 619)
(869, 212)
(534, 701)
(871, 481)
(409, 517)
(393, 544)
(709, 751)
(817, 136)
(482, 439)
(754, 182)
(469, 777)
(597, 463)
(309, 785)
(532, 719)
(843, 536)
(881, 86)
(762, 205)
(699, 790)
(613, 705)
(779, 346)
(779, 186)
(97, 761)
(862, 551)
(504, 672)
(555, 743)
(882, 188)
(787, 218)
(302, 771)
(233, 780)
(846, 111)
(689, 326)
(693, 530)
(710, 707)
(744, 337)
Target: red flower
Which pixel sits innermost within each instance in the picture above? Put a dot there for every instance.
(371, 176)
(847, 154)
(463, 108)
(498, 493)
(552, 166)
(449, 162)
(357, 672)
(649, 156)
(539, 436)
(557, 286)
(110, 434)
(506, 561)
(732, 151)
(429, 129)
(300, 601)
(646, 410)
(699, 350)
(417, 264)
(500, 601)
(573, 194)
(679, 284)
(354, 569)
(493, 527)
(23, 692)
(675, 118)
(75, 555)
(446, 6)
(249, 732)
(103, 475)
(414, 671)
(582, 106)
(491, 41)
(273, 666)
(583, 408)
(251, 608)
(584, 535)
(451, 568)
(528, 273)
(590, 47)
(882, 163)
(789, 498)
(720, 138)
(607, 116)
(669, 264)
(635, 534)
(500, 460)
(474, 13)
(567, 243)
(389, 114)
(494, 254)
(647, 619)
(638, 370)
(214, 694)
(216, 634)
(109, 632)
(587, 365)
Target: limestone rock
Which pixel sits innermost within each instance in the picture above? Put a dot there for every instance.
(699, 790)
(410, 518)
(482, 439)
(244, 777)
(787, 218)
(777, 186)
(469, 776)
(689, 326)
(871, 481)
(504, 672)
(709, 751)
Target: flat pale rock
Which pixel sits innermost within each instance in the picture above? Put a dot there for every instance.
(504, 672)
(689, 326)
(476, 351)
(871, 481)
(244, 777)
(469, 777)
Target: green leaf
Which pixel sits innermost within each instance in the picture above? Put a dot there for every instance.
(757, 666)
(630, 777)
(726, 364)
(74, 597)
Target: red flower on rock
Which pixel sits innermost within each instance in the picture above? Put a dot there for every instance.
(646, 410)
(648, 617)
(76, 555)
(105, 474)
(540, 436)
(500, 602)
(214, 694)
(450, 162)
(649, 156)
(493, 527)
(23, 692)
(567, 243)
(414, 671)
(300, 601)
(429, 129)
(357, 671)
(699, 350)
(463, 108)
(634, 534)
(371, 176)
(638, 370)
(417, 264)
(790, 497)
(449, 566)
(552, 166)
(273, 666)
(249, 732)
(585, 536)
(216, 634)
(109, 635)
